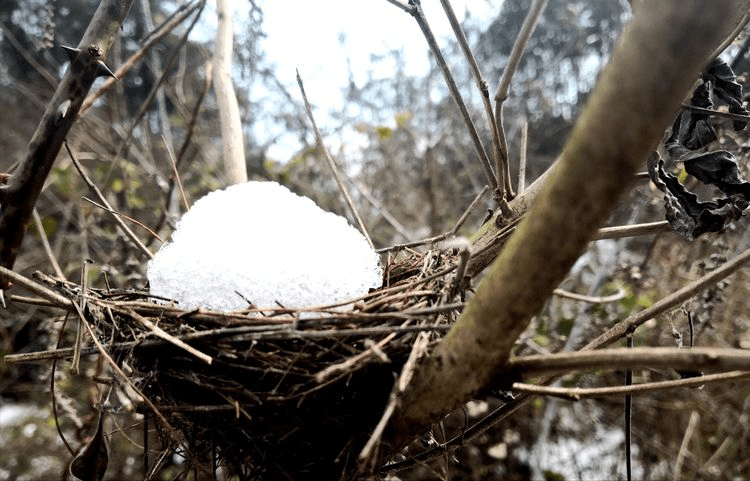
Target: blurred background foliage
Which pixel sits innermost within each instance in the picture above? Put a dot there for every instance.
(413, 172)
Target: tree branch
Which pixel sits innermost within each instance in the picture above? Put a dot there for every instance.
(635, 98)
(25, 185)
(577, 393)
(696, 358)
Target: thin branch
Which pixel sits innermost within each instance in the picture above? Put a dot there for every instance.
(38, 289)
(613, 334)
(126, 230)
(633, 230)
(369, 454)
(637, 357)
(383, 211)
(501, 94)
(176, 174)
(45, 244)
(738, 27)
(124, 216)
(469, 210)
(682, 453)
(485, 93)
(143, 109)
(618, 331)
(416, 11)
(717, 113)
(444, 235)
(86, 64)
(620, 294)
(406, 8)
(336, 172)
(157, 331)
(578, 393)
(522, 158)
(41, 69)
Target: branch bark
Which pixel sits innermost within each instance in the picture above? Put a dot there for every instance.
(17, 199)
(660, 54)
(229, 111)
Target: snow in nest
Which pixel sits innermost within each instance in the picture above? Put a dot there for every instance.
(260, 241)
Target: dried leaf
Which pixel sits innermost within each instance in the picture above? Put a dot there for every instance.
(688, 216)
(91, 463)
(691, 131)
(726, 89)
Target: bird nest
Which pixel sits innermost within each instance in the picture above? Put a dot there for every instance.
(275, 393)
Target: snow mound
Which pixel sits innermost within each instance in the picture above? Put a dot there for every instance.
(260, 241)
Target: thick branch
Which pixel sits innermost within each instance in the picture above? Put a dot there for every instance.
(636, 97)
(19, 196)
(229, 111)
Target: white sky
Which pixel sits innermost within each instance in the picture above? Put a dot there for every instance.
(306, 34)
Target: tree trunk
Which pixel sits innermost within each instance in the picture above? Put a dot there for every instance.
(231, 127)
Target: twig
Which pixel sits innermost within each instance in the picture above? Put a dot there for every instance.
(717, 113)
(80, 308)
(156, 330)
(45, 244)
(52, 296)
(116, 214)
(114, 163)
(522, 158)
(336, 172)
(633, 230)
(464, 252)
(577, 393)
(369, 454)
(46, 74)
(401, 5)
(468, 210)
(173, 163)
(383, 211)
(638, 357)
(350, 362)
(86, 64)
(613, 334)
(730, 38)
(165, 423)
(628, 417)
(444, 235)
(618, 331)
(620, 294)
(485, 93)
(682, 453)
(415, 11)
(103, 200)
(501, 94)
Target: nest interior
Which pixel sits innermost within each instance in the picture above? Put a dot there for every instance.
(288, 394)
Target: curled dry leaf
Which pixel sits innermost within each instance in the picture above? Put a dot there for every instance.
(693, 131)
(91, 463)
